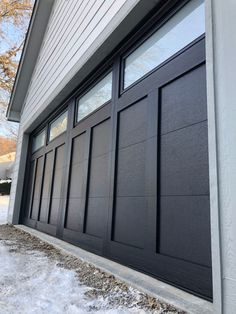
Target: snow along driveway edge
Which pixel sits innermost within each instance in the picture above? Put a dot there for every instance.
(145, 283)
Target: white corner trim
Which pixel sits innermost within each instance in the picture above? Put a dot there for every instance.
(213, 162)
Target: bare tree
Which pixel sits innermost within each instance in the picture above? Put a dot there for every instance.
(14, 19)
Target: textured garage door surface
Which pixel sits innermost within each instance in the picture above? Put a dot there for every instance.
(130, 182)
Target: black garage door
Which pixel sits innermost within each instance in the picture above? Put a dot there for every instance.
(122, 169)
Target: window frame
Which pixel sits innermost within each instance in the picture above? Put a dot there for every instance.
(87, 89)
(145, 29)
(44, 129)
(163, 17)
(51, 121)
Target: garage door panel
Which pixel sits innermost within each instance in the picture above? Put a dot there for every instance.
(37, 188)
(130, 220)
(59, 157)
(77, 184)
(99, 160)
(133, 124)
(54, 209)
(57, 181)
(99, 176)
(98, 184)
(184, 101)
(101, 137)
(97, 210)
(75, 214)
(47, 179)
(184, 228)
(35, 209)
(131, 170)
(44, 209)
(47, 175)
(77, 179)
(184, 161)
(30, 190)
(131, 204)
(79, 148)
(38, 177)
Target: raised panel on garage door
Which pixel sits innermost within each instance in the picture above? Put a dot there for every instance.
(131, 200)
(30, 189)
(37, 189)
(161, 217)
(77, 185)
(184, 180)
(46, 189)
(57, 181)
(98, 187)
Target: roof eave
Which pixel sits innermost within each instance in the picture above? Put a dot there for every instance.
(34, 38)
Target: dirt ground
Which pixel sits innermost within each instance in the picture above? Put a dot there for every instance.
(101, 292)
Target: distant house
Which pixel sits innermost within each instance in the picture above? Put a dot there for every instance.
(127, 144)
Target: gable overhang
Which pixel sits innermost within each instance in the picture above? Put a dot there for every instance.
(34, 38)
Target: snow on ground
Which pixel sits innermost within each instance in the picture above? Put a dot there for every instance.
(31, 283)
(37, 278)
(4, 201)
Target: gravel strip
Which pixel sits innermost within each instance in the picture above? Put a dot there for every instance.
(102, 286)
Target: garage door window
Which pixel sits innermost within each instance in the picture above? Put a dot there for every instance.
(58, 126)
(39, 141)
(95, 98)
(187, 25)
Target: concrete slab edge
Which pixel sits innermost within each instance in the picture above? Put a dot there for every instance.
(153, 287)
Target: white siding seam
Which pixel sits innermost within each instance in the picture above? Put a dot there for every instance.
(40, 80)
(73, 53)
(52, 37)
(51, 43)
(37, 60)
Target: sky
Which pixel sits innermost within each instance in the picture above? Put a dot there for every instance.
(12, 36)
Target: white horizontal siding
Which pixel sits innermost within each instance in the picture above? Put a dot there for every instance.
(79, 27)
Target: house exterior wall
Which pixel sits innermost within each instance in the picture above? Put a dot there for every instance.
(57, 64)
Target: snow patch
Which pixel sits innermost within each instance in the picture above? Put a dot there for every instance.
(31, 283)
